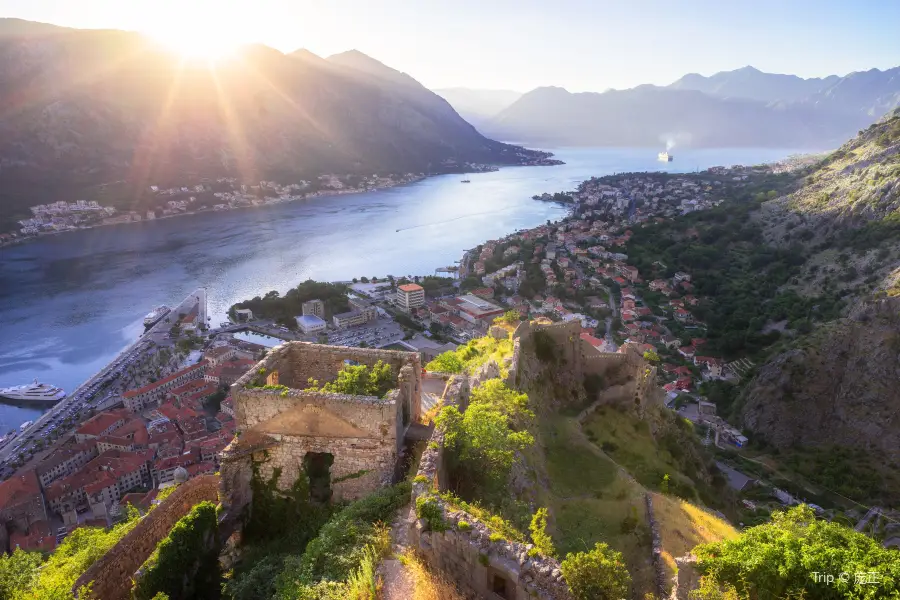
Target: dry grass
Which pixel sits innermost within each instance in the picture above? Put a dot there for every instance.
(429, 585)
(684, 525)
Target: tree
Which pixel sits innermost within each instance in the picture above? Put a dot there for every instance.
(446, 362)
(651, 356)
(364, 279)
(596, 575)
(17, 571)
(510, 317)
(778, 560)
(481, 439)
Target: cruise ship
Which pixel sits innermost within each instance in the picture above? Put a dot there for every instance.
(33, 392)
(665, 157)
(158, 313)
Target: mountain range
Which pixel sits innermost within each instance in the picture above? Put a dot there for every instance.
(744, 107)
(79, 108)
(478, 106)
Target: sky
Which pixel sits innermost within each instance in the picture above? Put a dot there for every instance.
(582, 45)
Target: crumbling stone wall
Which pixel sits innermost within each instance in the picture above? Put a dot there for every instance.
(364, 434)
(628, 379)
(112, 574)
(468, 556)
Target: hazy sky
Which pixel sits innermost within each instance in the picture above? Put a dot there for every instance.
(521, 44)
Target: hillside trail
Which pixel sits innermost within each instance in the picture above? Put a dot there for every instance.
(399, 583)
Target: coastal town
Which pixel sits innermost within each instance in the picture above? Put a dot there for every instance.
(220, 194)
(163, 412)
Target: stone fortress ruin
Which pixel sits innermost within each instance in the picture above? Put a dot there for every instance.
(347, 445)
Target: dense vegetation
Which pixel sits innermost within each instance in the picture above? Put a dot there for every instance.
(780, 559)
(359, 380)
(468, 357)
(24, 576)
(598, 574)
(185, 563)
(284, 309)
(482, 441)
(281, 525)
(340, 561)
(738, 274)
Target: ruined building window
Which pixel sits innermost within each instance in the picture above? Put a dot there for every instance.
(318, 468)
(499, 585)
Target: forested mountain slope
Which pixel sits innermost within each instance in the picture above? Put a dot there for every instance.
(84, 107)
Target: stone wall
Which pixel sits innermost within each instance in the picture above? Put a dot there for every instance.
(468, 556)
(112, 574)
(659, 568)
(627, 377)
(364, 434)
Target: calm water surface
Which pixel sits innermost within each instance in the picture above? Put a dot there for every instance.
(69, 303)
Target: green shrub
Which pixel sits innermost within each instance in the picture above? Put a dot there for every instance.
(542, 541)
(463, 526)
(339, 552)
(429, 510)
(596, 575)
(778, 559)
(359, 380)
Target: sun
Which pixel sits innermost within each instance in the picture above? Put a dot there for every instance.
(197, 43)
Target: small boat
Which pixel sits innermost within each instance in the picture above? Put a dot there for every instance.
(465, 181)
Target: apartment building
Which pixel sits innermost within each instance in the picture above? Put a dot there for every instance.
(355, 317)
(410, 296)
(65, 461)
(315, 308)
(153, 393)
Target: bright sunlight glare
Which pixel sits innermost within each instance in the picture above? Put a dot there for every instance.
(196, 30)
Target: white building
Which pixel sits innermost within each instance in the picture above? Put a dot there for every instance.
(355, 317)
(310, 324)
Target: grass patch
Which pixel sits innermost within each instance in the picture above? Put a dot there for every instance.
(428, 584)
(683, 526)
(469, 357)
(590, 500)
(573, 466)
(628, 441)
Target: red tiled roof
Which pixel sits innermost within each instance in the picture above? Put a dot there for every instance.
(38, 537)
(152, 386)
(101, 422)
(19, 489)
(410, 287)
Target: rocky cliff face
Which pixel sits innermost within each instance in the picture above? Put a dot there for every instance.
(840, 387)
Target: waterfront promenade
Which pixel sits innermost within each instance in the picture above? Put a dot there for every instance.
(89, 394)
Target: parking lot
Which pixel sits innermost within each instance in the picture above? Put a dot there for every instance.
(375, 335)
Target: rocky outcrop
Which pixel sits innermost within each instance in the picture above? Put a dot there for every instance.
(839, 386)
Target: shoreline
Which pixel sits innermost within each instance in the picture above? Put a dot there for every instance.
(319, 194)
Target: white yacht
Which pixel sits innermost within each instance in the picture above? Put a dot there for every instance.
(33, 392)
(158, 313)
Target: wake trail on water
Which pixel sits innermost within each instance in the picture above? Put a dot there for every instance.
(490, 212)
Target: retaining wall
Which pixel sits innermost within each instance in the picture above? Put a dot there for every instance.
(468, 556)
